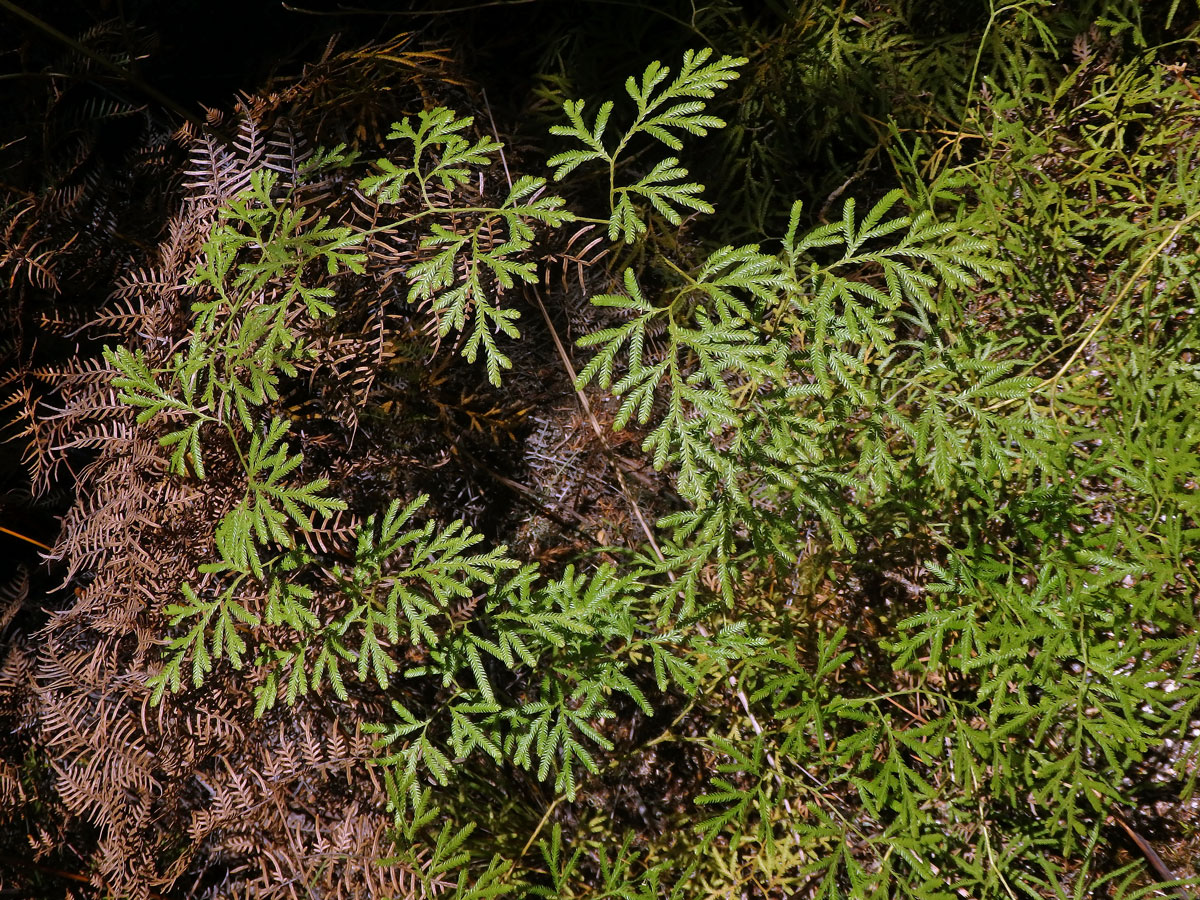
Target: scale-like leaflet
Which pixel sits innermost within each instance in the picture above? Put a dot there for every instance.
(804, 702)
(213, 632)
(725, 353)
(472, 266)
(390, 596)
(846, 305)
(712, 361)
(576, 636)
(967, 432)
(662, 187)
(268, 513)
(243, 337)
(662, 109)
(624, 874)
(270, 510)
(138, 386)
(404, 582)
(437, 859)
(741, 807)
(452, 157)
(472, 253)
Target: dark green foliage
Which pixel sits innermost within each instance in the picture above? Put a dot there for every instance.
(924, 599)
(839, 382)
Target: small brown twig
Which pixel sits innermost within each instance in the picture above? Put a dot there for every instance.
(1155, 861)
(24, 537)
(587, 409)
(16, 864)
(570, 370)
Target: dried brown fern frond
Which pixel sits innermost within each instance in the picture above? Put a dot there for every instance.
(14, 593)
(18, 708)
(216, 173)
(23, 254)
(352, 97)
(23, 424)
(196, 791)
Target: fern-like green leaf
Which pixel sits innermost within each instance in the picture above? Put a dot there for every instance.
(452, 157)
